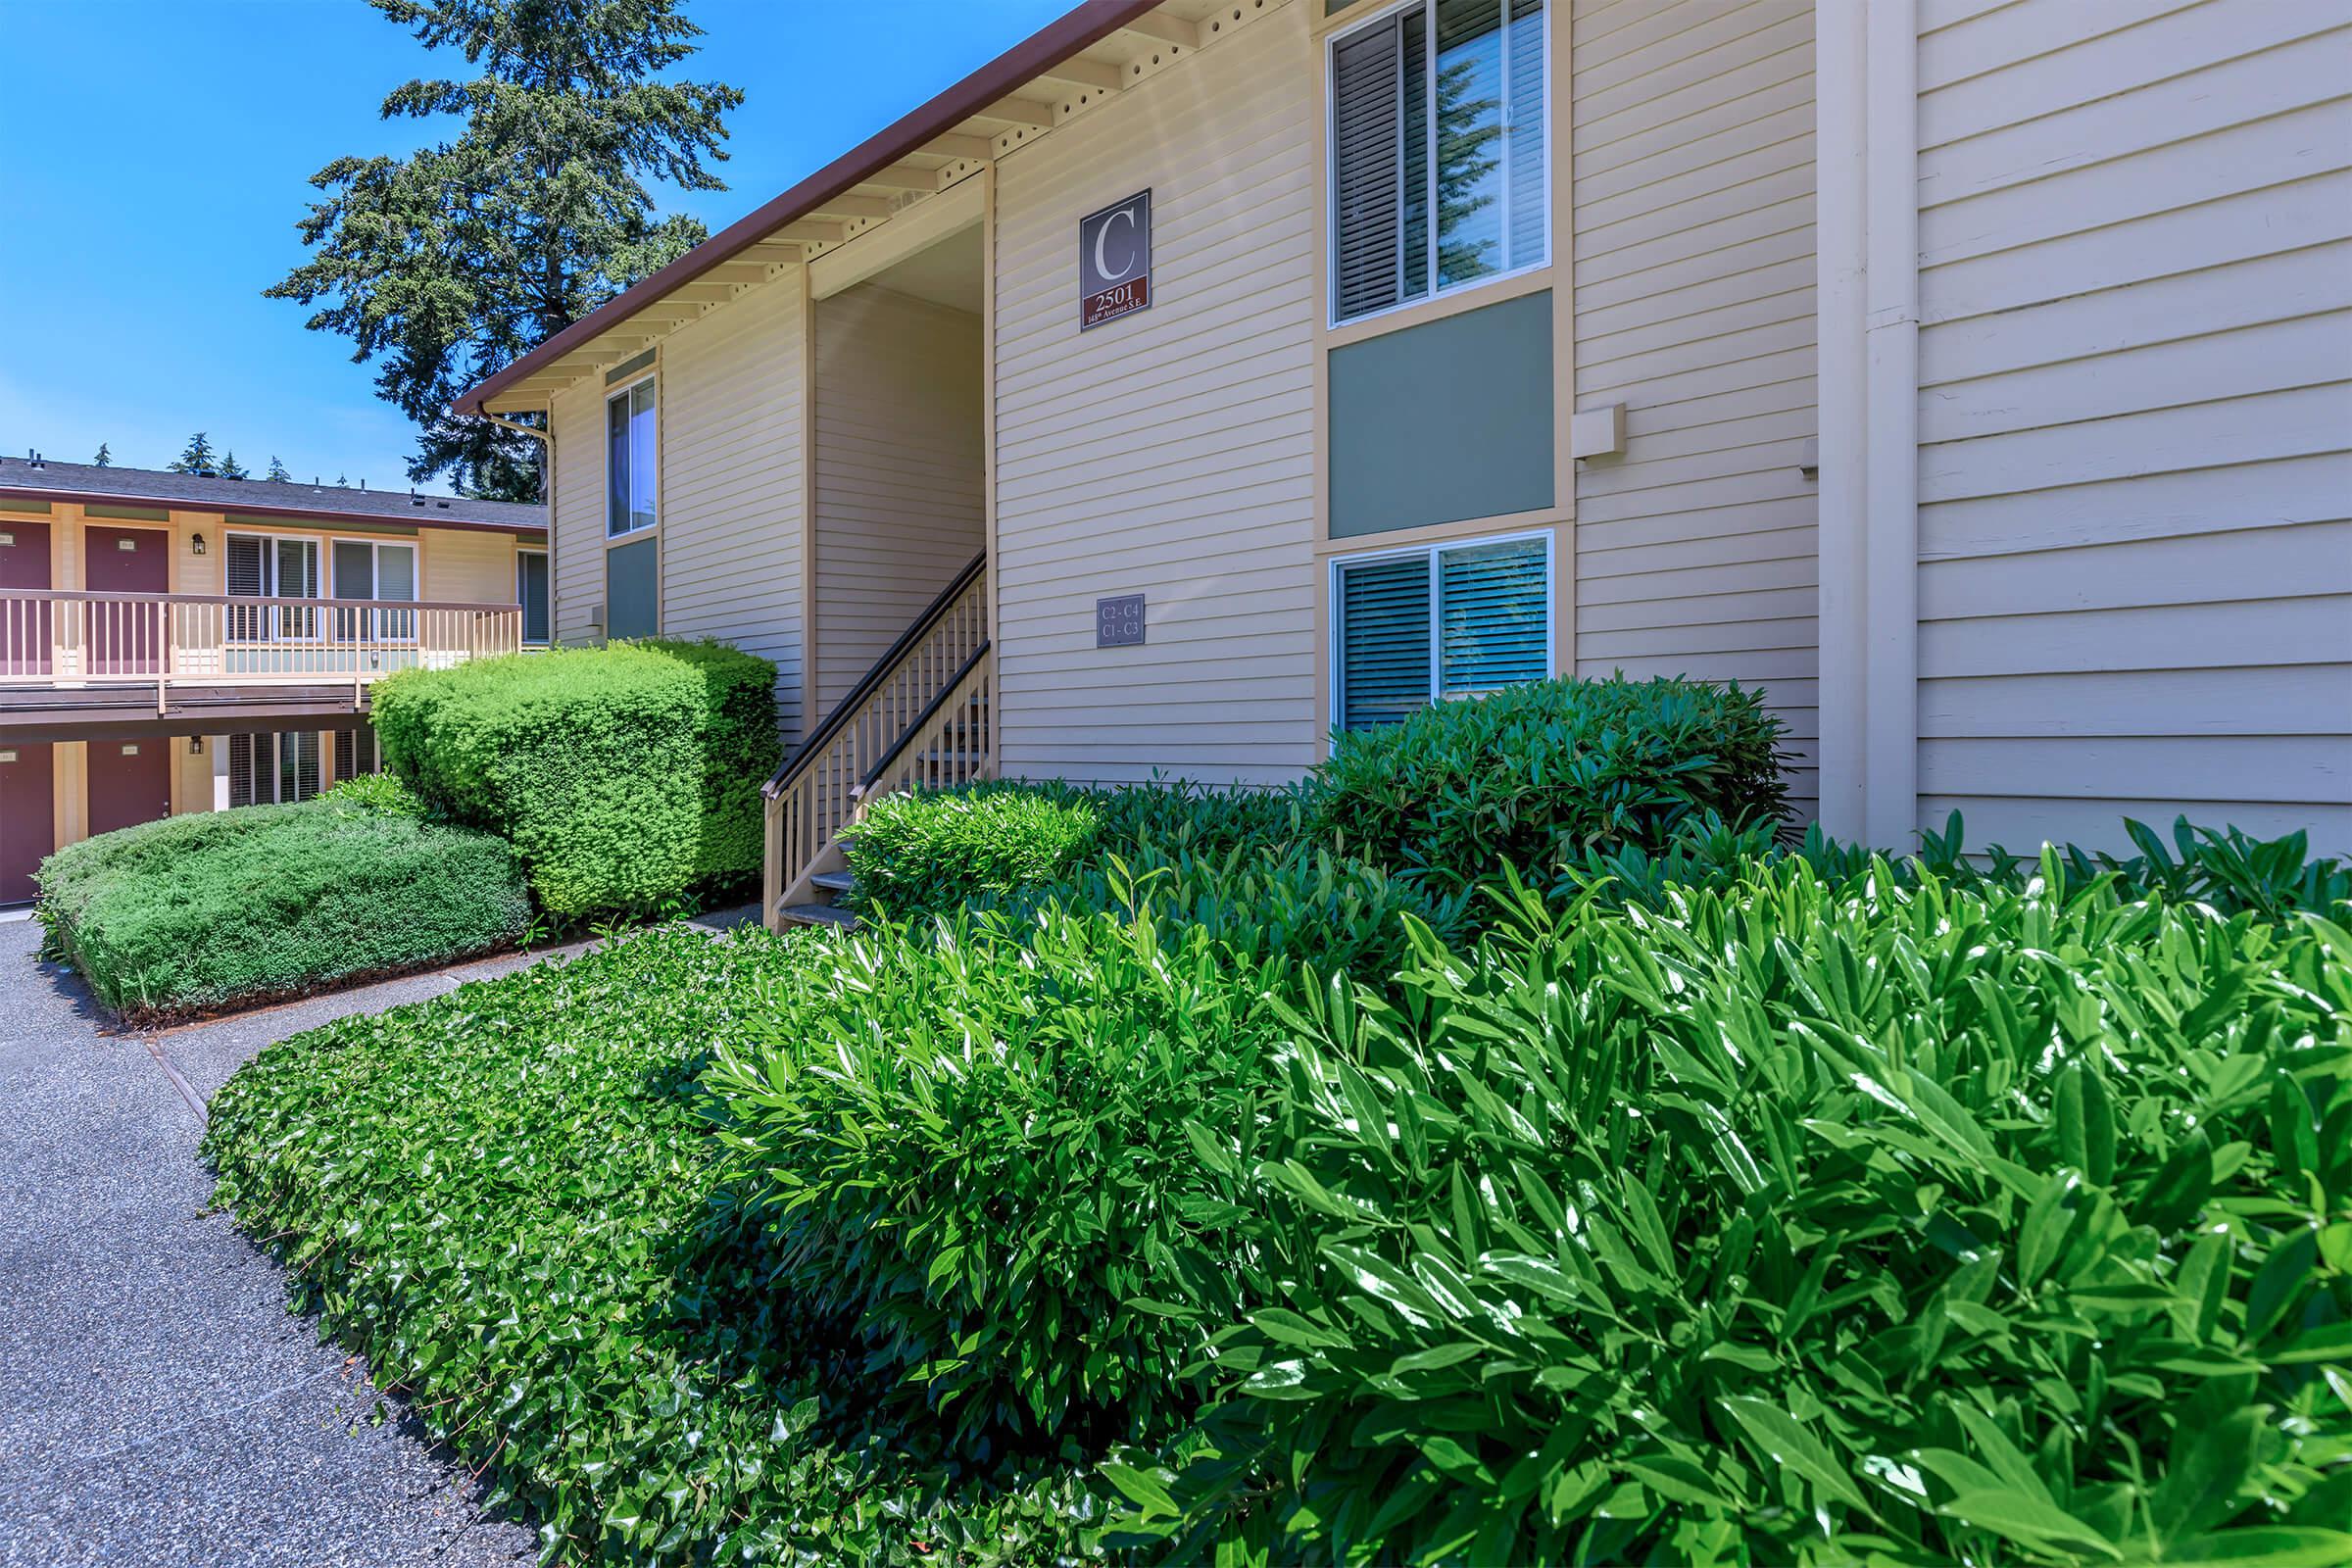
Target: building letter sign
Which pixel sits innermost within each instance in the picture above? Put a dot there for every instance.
(1114, 260)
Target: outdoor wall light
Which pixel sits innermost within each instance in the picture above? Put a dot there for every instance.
(196, 543)
(195, 746)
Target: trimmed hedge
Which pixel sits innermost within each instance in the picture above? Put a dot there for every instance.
(1537, 774)
(222, 909)
(622, 775)
(1804, 1222)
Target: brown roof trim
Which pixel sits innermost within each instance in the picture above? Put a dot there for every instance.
(327, 514)
(1088, 22)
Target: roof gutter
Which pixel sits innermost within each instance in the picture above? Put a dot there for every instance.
(1087, 24)
(117, 498)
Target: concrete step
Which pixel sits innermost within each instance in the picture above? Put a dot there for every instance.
(817, 915)
(836, 882)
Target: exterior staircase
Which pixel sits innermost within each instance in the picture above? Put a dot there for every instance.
(918, 719)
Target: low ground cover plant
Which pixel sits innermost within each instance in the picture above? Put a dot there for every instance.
(1541, 773)
(228, 909)
(1802, 1221)
(623, 775)
(502, 1198)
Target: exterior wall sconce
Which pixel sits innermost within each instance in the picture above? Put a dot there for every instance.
(196, 543)
(195, 746)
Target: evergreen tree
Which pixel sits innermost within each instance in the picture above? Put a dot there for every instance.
(278, 473)
(229, 469)
(341, 482)
(104, 458)
(197, 456)
(448, 264)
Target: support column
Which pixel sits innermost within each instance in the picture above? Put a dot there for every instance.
(1867, 248)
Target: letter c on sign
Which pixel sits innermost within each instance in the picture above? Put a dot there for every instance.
(1103, 265)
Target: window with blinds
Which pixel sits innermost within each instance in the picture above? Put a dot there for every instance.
(355, 753)
(632, 460)
(1439, 171)
(1452, 620)
(273, 767)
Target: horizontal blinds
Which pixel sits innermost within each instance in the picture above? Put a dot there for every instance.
(1491, 616)
(1366, 90)
(245, 569)
(1384, 641)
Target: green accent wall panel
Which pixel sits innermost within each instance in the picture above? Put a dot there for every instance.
(632, 590)
(1443, 421)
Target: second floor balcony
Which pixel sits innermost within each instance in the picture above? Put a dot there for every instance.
(97, 657)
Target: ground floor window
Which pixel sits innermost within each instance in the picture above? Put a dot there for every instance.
(1414, 626)
(281, 766)
(355, 753)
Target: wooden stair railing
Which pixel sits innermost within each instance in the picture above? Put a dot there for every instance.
(918, 718)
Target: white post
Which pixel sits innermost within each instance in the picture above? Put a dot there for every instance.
(218, 744)
(1867, 272)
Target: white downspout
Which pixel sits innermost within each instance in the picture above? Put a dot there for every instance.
(548, 437)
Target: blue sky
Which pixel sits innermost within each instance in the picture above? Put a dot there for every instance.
(158, 155)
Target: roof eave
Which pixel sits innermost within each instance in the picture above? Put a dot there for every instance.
(1084, 24)
(327, 514)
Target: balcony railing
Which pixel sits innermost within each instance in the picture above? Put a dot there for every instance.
(50, 638)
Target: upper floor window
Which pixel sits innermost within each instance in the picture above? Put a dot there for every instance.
(632, 460)
(1439, 151)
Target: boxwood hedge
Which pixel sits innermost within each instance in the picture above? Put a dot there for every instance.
(622, 775)
(224, 908)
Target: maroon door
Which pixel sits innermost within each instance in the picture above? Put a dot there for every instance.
(23, 623)
(125, 637)
(130, 782)
(28, 798)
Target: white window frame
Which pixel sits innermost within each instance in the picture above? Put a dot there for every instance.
(1428, 551)
(1332, 40)
(274, 616)
(523, 609)
(654, 410)
(378, 620)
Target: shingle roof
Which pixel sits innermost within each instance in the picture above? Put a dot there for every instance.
(85, 482)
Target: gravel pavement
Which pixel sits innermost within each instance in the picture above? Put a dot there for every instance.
(159, 1404)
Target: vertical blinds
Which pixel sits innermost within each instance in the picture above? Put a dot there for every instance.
(355, 753)
(1449, 621)
(1384, 641)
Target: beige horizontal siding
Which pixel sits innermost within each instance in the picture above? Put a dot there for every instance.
(1171, 453)
(575, 527)
(2135, 418)
(731, 484)
(899, 470)
(1694, 255)
(468, 568)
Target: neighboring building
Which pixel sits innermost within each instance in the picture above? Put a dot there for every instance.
(172, 642)
(1974, 377)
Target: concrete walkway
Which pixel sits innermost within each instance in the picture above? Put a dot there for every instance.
(158, 1402)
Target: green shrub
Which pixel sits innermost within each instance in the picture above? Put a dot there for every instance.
(376, 792)
(921, 854)
(222, 909)
(623, 775)
(2226, 868)
(977, 1169)
(500, 1199)
(1533, 775)
(1299, 904)
(1798, 1223)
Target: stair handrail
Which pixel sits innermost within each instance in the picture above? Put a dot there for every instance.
(871, 682)
(923, 719)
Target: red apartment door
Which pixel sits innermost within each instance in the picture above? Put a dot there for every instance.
(23, 623)
(130, 782)
(125, 637)
(28, 798)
